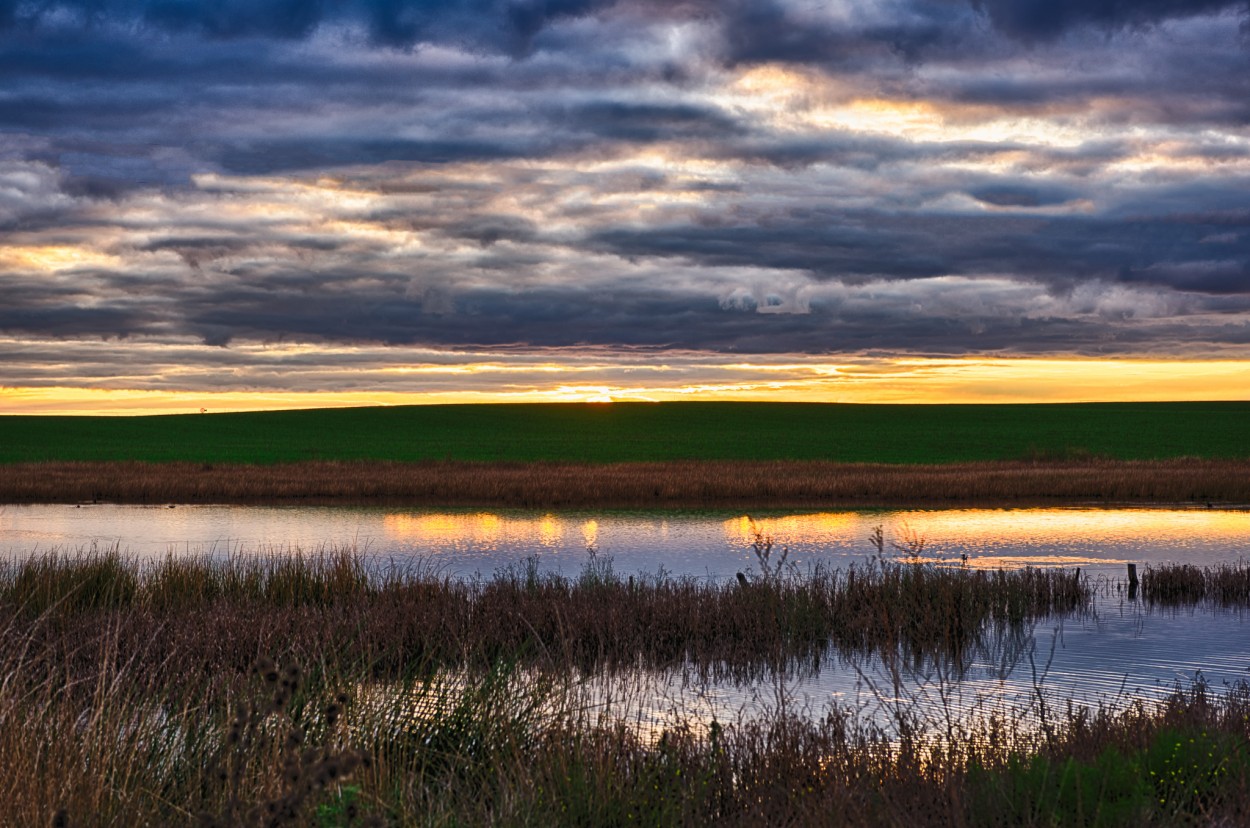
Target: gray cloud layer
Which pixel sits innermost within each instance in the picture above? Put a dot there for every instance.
(906, 176)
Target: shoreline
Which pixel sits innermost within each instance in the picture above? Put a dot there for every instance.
(694, 484)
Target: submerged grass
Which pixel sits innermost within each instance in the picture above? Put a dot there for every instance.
(205, 615)
(314, 690)
(1225, 585)
(690, 484)
(272, 744)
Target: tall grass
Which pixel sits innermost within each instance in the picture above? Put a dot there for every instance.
(202, 614)
(313, 690)
(274, 744)
(1226, 585)
(699, 484)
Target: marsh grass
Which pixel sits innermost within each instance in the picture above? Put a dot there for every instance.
(205, 614)
(1225, 585)
(273, 744)
(316, 690)
(686, 484)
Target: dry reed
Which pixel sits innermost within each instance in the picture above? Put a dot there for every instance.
(169, 694)
(707, 484)
(203, 615)
(274, 745)
(1225, 585)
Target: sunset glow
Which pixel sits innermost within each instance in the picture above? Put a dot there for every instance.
(900, 381)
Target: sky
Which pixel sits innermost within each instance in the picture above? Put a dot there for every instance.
(282, 203)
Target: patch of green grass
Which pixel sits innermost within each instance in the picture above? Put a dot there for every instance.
(1179, 774)
(620, 432)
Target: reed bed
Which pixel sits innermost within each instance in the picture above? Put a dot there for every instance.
(274, 744)
(1171, 585)
(684, 484)
(199, 615)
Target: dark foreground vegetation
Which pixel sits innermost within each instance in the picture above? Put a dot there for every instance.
(207, 694)
(703, 484)
(1181, 585)
(183, 615)
(647, 432)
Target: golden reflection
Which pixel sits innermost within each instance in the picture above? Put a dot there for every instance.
(1021, 561)
(945, 534)
(445, 528)
(1076, 526)
(480, 528)
(590, 534)
(795, 529)
(550, 530)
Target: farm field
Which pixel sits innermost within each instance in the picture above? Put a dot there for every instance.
(639, 432)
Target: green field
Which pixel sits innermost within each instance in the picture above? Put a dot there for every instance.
(601, 433)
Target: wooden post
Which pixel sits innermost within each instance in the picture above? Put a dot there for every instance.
(1132, 582)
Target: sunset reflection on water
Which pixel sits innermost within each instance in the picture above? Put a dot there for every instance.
(681, 543)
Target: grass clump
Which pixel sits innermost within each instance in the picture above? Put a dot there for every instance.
(228, 611)
(71, 584)
(1171, 585)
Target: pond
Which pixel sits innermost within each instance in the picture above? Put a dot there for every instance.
(707, 544)
(1118, 651)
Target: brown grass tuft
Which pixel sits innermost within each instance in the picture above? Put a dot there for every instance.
(710, 484)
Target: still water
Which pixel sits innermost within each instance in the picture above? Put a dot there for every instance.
(715, 545)
(1120, 651)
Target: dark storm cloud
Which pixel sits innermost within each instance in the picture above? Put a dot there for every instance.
(1011, 195)
(769, 31)
(288, 155)
(503, 174)
(857, 247)
(1044, 19)
(641, 122)
(506, 25)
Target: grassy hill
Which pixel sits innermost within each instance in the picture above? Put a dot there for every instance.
(599, 433)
